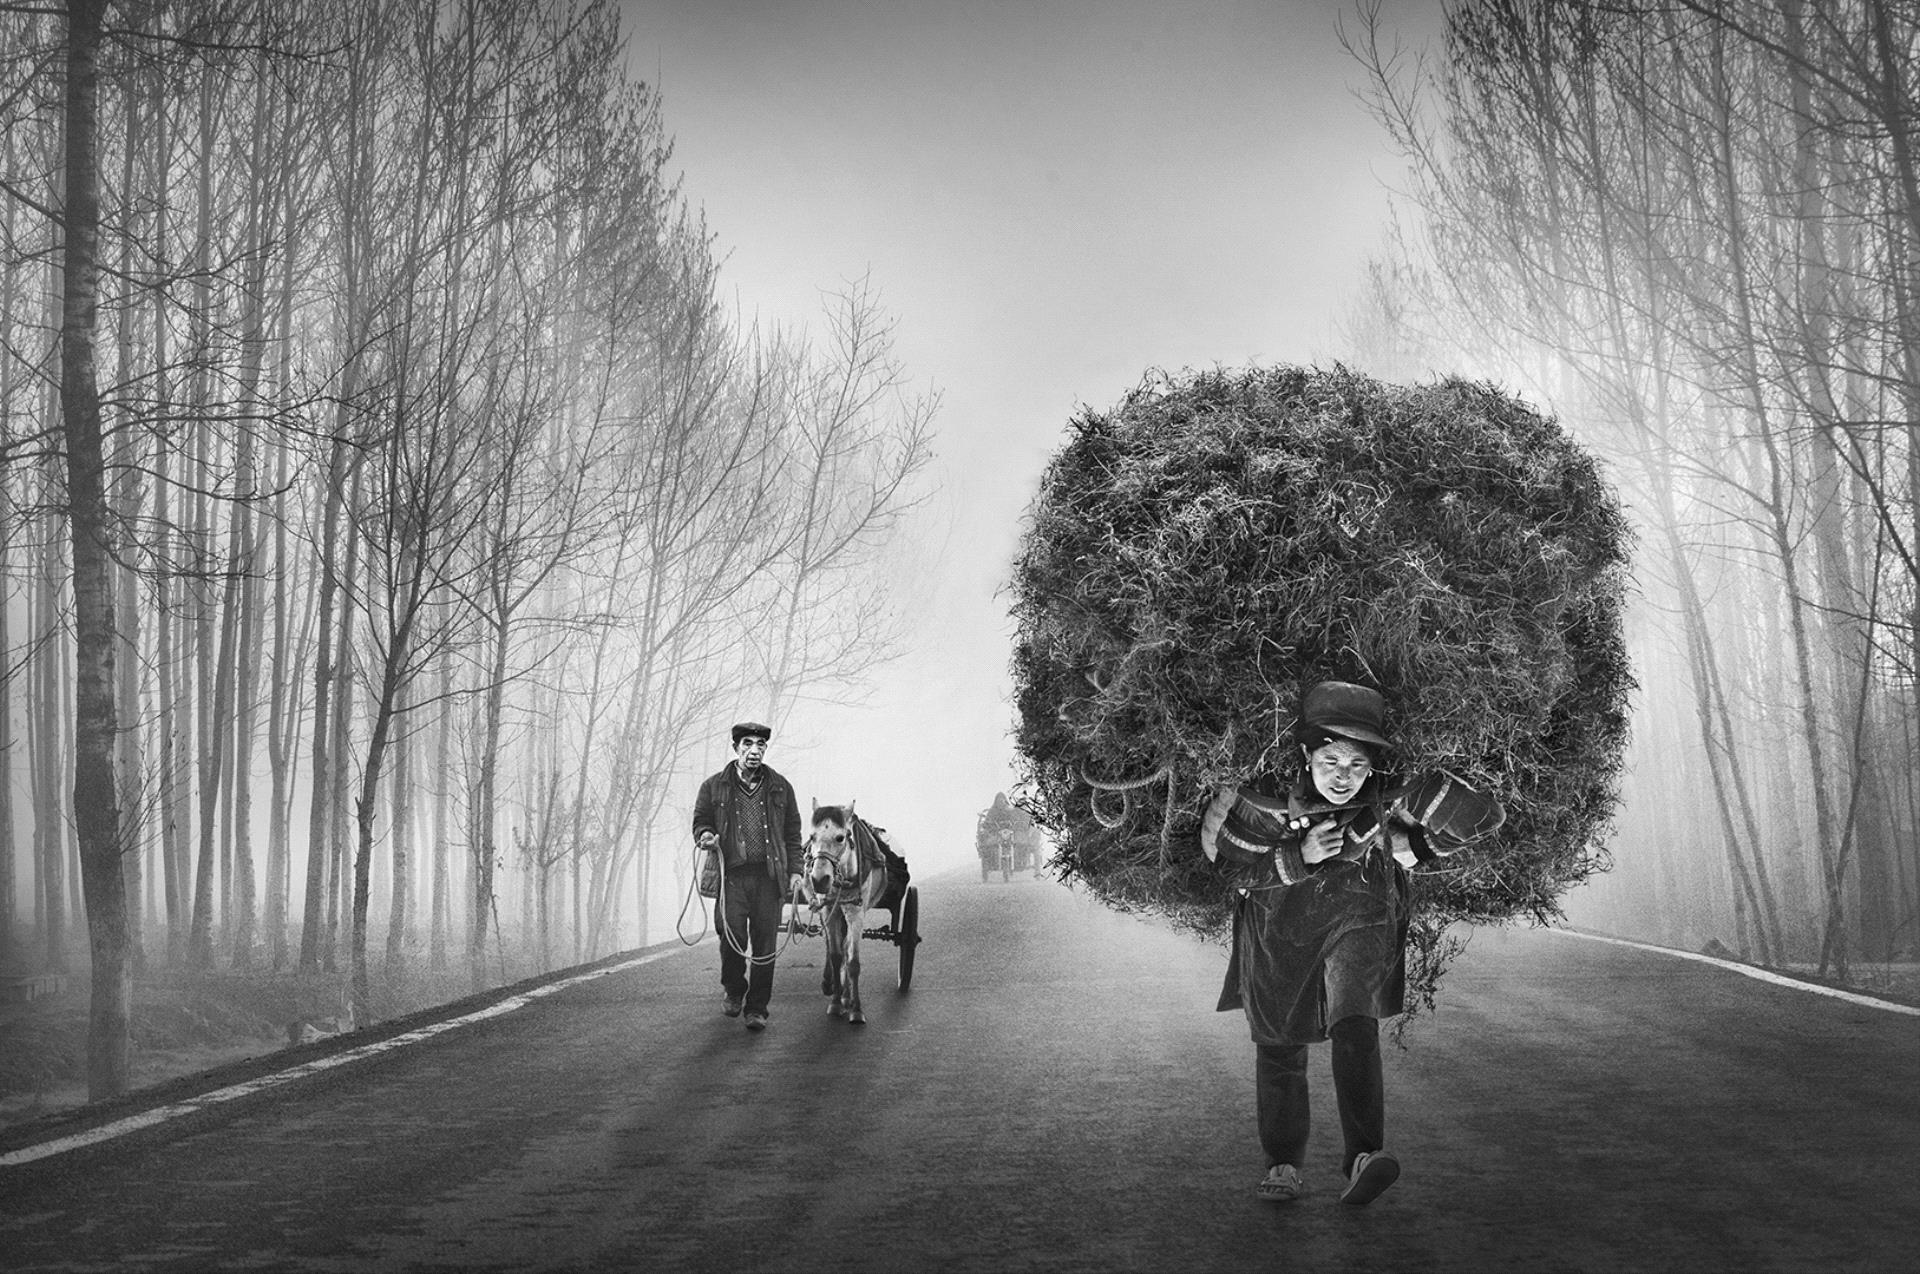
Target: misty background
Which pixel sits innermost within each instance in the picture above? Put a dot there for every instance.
(1051, 200)
(500, 403)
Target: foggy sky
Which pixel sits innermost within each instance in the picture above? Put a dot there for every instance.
(1051, 199)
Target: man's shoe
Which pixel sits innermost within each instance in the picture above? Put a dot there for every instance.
(1282, 1184)
(732, 1005)
(756, 1021)
(1373, 1172)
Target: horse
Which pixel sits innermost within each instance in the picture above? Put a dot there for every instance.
(845, 875)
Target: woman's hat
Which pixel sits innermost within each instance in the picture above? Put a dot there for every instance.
(1342, 708)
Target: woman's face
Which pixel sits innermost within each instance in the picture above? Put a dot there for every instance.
(1339, 769)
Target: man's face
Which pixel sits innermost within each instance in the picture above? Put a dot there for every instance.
(750, 752)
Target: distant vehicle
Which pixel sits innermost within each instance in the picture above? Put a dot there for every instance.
(1006, 840)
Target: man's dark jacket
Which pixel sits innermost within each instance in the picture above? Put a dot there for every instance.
(713, 811)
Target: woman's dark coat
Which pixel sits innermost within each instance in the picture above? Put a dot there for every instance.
(1291, 914)
(1354, 907)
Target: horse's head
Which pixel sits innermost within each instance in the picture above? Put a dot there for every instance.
(831, 851)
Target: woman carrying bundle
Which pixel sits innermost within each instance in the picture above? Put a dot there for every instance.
(1320, 931)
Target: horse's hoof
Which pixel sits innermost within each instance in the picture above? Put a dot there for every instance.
(856, 1019)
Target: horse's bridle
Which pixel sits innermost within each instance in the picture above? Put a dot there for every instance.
(843, 876)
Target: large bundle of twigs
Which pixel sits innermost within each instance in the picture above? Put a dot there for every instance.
(1198, 555)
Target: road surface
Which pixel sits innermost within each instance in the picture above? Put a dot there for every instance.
(1055, 1093)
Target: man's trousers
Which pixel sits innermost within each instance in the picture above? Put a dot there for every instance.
(747, 915)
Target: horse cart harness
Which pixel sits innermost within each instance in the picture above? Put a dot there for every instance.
(901, 902)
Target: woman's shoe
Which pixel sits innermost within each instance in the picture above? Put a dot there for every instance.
(1373, 1172)
(1282, 1184)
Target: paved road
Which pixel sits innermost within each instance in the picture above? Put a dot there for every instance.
(1054, 1094)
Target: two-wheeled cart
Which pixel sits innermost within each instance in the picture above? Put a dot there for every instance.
(901, 902)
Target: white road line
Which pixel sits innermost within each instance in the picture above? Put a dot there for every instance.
(1763, 975)
(160, 1114)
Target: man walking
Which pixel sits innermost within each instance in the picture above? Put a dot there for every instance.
(747, 814)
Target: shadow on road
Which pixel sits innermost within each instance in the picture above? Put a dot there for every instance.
(1055, 1093)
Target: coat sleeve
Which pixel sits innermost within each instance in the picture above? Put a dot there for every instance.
(790, 836)
(703, 816)
(1438, 814)
(1245, 835)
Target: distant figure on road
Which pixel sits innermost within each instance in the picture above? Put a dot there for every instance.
(1319, 937)
(747, 813)
(1005, 840)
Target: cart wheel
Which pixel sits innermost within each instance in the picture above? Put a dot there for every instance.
(907, 933)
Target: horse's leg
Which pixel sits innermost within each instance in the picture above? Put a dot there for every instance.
(853, 913)
(829, 967)
(835, 933)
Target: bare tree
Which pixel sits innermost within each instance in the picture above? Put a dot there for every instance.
(857, 441)
(89, 515)
(421, 410)
(1664, 204)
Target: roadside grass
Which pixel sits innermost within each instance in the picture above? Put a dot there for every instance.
(184, 1023)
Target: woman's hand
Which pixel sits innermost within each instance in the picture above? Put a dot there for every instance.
(1215, 818)
(1323, 841)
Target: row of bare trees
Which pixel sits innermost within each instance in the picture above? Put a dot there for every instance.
(1694, 229)
(442, 511)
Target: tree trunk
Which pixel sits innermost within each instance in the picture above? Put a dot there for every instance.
(166, 671)
(400, 915)
(9, 878)
(365, 807)
(218, 726)
(283, 707)
(173, 686)
(280, 689)
(49, 808)
(1893, 89)
(242, 922)
(320, 807)
(95, 791)
(642, 894)
(441, 921)
(482, 813)
(346, 680)
(69, 834)
(129, 462)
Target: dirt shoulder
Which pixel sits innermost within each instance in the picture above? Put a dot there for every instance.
(195, 1033)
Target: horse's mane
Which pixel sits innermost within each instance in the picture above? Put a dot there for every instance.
(834, 814)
